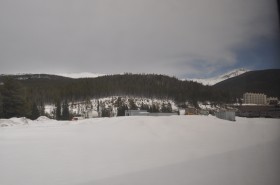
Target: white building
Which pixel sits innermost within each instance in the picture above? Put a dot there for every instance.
(91, 114)
(136, 113)
(272, 100)
(254, 98)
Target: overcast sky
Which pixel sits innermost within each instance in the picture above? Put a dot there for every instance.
(184, 38)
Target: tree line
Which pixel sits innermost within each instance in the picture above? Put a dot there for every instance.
(49, 90)
(27, 97)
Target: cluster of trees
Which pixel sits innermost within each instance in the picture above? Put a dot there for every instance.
(49, 88)
(154, 108)
(14, 101)
(62, 110)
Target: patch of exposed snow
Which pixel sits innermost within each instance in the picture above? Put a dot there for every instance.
(81, 75)
(215, 80)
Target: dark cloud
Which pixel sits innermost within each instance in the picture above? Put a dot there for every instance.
(175, 37)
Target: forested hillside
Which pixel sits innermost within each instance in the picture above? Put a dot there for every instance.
(50, 88)
(26, 95)
(263, 81)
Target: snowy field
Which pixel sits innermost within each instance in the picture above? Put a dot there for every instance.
(176, 150)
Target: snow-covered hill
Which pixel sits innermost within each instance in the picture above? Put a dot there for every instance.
(179, 150)
(80, 75)
(214, 80)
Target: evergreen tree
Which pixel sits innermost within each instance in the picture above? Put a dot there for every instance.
(132, 105)
(154, 108)
(65, 111)
(42, 108)
(58, 110)
(98, 106)
(119, 102)
(164, 108)
(169, 107)
(121, 110)
(142, 106)
(88, 103)
(1, 106)
(105, 112)
(13, 100)
(35, 112)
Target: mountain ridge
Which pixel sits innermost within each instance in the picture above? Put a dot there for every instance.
(214, 80)
(260, 81)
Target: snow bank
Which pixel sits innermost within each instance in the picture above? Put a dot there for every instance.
(43, 118)
(142, 150)
(13, 122)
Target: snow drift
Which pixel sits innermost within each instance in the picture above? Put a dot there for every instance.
(141, 150)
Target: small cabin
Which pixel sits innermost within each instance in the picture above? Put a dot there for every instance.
(76, 118)
(226, 115)
(91, 114)
(191, 111)
(204, 112)
(136, 113)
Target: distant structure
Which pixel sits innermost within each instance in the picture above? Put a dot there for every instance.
(226, 115)
(91, 114)
(254, 98)
(272, 100)
(146, 113)
(136, 113)
(191, 111)
(204, 112)
(264, 111)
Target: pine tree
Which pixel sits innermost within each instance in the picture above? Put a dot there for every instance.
(154, 108)
(13, 100)
(105, 113)
(121, 110)
(144, 107)
(1, 106)
(58, 110)
(119, 102)
(65, 111)
(163, 108)
(132, 105)
(88, 103)
(35, 112)
(169, 107)
(42, 108)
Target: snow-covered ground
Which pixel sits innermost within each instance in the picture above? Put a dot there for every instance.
(175, 150)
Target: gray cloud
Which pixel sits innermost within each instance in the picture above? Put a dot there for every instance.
(175, 37)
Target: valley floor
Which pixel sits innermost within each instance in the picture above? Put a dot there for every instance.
(175, 150)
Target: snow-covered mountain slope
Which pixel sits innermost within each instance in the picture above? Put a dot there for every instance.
(214, 80)
(80, 75)
(175, 150)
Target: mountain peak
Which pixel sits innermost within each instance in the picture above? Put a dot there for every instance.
(214, 80)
